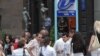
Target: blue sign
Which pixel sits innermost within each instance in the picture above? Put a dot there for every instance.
(66, 13)
(63, 8)
(65, 4)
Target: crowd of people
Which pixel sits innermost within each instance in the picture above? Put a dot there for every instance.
(39, 44)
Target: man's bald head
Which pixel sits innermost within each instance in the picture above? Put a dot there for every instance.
(44, 32)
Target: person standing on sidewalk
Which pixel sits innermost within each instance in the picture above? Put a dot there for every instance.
(46, 49)
(21, 51)
(33, 46)
(62, 45)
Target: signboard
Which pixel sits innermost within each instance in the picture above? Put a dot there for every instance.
(66, 8)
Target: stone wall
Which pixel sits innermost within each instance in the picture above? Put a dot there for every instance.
(97, 9)
(11, 12)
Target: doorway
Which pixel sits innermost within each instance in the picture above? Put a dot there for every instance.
(65, 24)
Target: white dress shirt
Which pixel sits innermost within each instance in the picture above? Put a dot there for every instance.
(48, 51)
(35, 45)
(19, 52)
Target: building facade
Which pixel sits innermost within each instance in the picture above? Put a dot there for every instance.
(11, 16)
(36, 14)
(86, 17)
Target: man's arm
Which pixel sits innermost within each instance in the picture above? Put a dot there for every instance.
(30, 47)
(30, 51)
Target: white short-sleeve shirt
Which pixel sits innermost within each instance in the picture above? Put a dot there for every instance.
(35, 44)
(48, 51)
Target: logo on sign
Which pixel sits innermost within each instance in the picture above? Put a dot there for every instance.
(65, 4)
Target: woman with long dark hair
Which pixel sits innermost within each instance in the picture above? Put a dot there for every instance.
(8, 47)
(78, 43)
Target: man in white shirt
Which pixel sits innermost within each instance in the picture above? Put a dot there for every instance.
(34, 45)
(46, 49)
(21, 51)
(62, 45)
